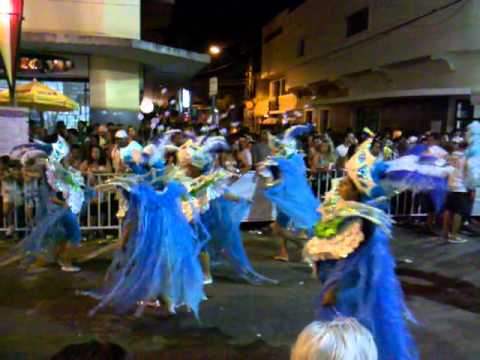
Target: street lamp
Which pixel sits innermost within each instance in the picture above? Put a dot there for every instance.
(214, 50)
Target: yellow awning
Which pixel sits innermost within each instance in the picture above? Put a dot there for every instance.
(41, 97)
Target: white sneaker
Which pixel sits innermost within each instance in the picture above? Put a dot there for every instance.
(457, 240)
(208, 281)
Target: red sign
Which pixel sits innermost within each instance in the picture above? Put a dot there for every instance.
(11, 14)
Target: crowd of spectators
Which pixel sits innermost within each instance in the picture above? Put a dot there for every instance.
(95, 149)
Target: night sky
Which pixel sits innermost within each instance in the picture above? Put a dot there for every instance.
(232, 23)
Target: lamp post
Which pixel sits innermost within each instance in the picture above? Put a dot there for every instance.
(215, 51)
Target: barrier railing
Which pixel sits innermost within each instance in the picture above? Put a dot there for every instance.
(406, 204)
(100, 214)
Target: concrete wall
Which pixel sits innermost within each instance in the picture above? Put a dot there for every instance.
(330, 55)
(114, 84)
(113, 18)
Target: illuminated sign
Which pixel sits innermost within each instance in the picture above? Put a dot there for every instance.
(43, 64)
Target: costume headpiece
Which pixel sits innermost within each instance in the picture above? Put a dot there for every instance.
(200, 154)
(60, 150)
(359, 167)
(287, 145)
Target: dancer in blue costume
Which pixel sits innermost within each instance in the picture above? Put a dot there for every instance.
(62, 196)
(288, 188)
(351, 249)
(158, 255)
(473, 154)
(222, 221)
(220, 211)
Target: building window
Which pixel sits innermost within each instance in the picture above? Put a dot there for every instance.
(278, 88)
(465, 114)
(301, 48)
(357, 22)
(309, 116)
(324, 121)
(272, 35)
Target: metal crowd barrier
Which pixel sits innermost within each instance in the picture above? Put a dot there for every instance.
(404, 205)
(100, 214)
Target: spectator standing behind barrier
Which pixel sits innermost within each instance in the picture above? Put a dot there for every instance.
(121, 141)
(10, 175)
(340, 339)
(322, 163)
(260, 149)
(82, 131)
(32, 175)
(458, 197)
(97, 163)
(245, 154)
(344, 150)
(76, 157)
(103, 136)
(432, 141)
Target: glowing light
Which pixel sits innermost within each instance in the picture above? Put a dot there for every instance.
(147, 106)
(214, 50)
(186, 98)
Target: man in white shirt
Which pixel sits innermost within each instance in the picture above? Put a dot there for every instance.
(342, 149)
(458, 197)
(123, 150)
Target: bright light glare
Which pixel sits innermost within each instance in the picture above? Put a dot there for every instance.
(147, 106)
(214, 50)
(186, 98)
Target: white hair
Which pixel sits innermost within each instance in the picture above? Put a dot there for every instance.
(341, 339)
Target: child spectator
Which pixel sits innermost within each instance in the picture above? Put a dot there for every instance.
(32, 173)
(10, 176)
(341, 339)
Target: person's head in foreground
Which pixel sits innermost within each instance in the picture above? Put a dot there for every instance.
(93, 350)
(341, 339)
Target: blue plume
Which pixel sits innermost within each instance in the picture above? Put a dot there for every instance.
(215, 144)
(204, 139)
(20, 150)
(297, 130)
(417, 150)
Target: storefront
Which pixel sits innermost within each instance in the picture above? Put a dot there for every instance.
(66, 74)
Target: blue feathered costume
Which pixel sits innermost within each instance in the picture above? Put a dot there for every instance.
(222, 221)
(54, 224)
(289, 189)
(220, 213)
(160, 259)
(351, 249)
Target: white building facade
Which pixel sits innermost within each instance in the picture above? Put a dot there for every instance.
(93, 52)
(396, 64)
